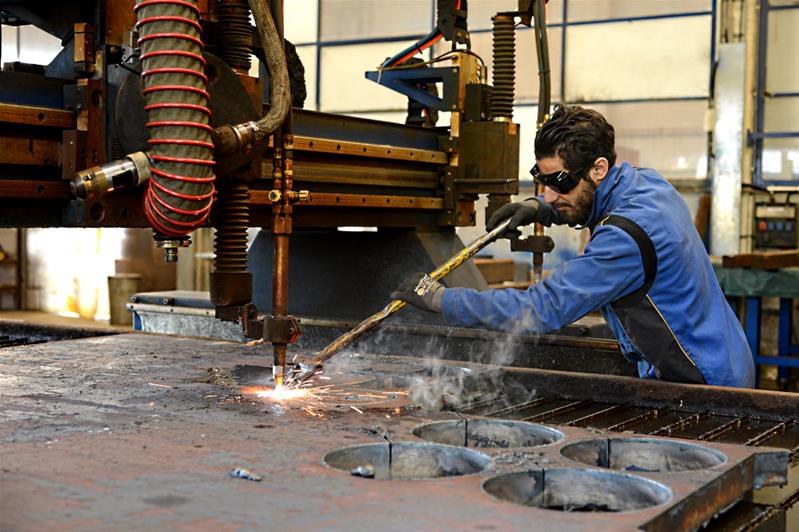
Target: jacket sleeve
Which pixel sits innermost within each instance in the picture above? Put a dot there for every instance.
(609, 269)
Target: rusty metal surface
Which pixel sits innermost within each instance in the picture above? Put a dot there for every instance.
(36, 116)
(330, 199)
(132, 431)
(320, 145)
(29, 151)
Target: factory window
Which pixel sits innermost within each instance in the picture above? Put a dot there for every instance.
(481, 11)
(783, 42)
(343, 85)
(668, 136)
(28, 44)
(772, 163)
(8, 44)
(793, 158)
(780, 158)
(367, 19)
(781, 98)
(587, 10)
(300, 21)
(307, 55)
(615, 61)
(624, 61)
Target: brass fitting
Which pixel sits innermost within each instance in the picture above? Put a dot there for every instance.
(171, 245)
(133, 170)
(298, 196)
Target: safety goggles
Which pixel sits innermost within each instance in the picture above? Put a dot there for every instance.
(562, 182)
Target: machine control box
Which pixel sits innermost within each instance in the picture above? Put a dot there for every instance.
(776, 226)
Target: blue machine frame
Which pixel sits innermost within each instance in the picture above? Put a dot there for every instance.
(405, 81)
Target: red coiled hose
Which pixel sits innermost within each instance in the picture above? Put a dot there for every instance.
(181, 191)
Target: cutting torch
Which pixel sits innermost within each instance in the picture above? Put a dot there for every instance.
(300, 374)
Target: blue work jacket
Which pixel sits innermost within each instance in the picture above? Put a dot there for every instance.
(684, 302)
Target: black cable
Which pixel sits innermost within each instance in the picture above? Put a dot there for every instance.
(542, 50)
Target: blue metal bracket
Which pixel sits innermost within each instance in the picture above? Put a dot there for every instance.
(405, 81)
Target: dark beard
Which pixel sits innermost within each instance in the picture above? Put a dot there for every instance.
(582, 207)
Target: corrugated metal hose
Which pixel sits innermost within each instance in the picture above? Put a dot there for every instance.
(181, 190)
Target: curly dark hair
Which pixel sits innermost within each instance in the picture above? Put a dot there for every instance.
(577, 135)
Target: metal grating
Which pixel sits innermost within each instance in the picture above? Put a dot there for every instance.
(656, 421)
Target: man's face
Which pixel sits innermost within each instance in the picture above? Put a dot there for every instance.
(574, 207)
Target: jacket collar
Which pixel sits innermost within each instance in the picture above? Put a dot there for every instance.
(605, 199)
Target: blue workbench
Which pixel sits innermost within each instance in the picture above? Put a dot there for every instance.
(753, 285)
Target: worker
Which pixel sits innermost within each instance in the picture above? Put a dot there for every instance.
(645, 267)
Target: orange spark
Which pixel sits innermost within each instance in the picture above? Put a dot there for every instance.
(279, 393)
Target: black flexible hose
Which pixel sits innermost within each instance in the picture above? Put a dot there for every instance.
(234, 34)
(542, 49)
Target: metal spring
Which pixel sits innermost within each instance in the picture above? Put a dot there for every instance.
(181, 191)
(504, 66)
(234, 34)
(232, 213)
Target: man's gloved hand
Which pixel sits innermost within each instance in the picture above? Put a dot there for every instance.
(421, 291)
(520, 213)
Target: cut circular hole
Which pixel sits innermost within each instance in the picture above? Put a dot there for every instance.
(488, 433)
(407, 461)
(643, 454)
(578, 490)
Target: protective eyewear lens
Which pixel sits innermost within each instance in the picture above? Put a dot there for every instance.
(562, 182)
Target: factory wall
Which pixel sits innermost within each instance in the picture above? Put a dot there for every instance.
(645, 65)
(781, 155)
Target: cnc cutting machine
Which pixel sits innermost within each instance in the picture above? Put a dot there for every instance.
(149, 117)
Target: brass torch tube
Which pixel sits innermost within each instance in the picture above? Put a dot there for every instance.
(280, 299)
(538, 256)
(281, 217)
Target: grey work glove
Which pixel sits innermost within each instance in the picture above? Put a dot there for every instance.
(421, 291)
(521, 213)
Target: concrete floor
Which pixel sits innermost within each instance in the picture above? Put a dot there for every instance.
(45, 318)
(129, 432)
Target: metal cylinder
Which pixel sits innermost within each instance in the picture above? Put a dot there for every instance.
(232, 215)
(120, 289)
(231, 283)
(234, 34)
(280, 301)
(504, 68)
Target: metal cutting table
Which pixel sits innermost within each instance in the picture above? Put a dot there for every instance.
(141, 431)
